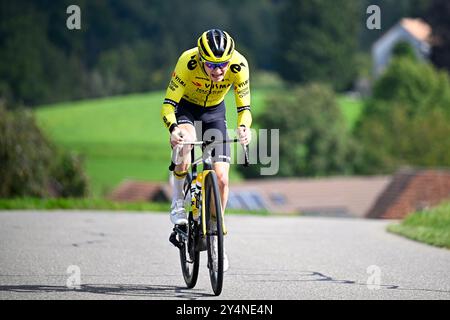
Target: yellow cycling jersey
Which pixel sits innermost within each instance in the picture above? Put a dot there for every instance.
(191, 82)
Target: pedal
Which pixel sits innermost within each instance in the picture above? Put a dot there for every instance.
(173, 240)
(181, 231)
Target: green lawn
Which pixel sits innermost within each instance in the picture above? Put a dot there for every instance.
(351, 108)
(429, 226)
(124, 137)
(119, 137)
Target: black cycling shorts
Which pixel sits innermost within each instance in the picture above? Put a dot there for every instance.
(209, 122)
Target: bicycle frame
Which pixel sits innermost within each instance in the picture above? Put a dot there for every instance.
(207, 147)
(190, 238)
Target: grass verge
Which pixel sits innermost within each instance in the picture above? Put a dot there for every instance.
(80, 204)
(430, 226)
(95, 204)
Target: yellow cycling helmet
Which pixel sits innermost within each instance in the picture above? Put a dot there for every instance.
(215, 46)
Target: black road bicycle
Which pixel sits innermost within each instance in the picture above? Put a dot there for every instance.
(205, 229)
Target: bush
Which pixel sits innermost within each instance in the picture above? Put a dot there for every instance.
(29, 163)
(419, 86)
(404, 50)
(25, 155)
(68, 176)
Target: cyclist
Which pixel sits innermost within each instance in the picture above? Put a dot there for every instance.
(194, 104)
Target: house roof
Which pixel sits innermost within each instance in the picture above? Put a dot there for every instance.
(131, 190)
(417, 27)
(412, 190)
(365, 197)
(338, 196)
(342, 196)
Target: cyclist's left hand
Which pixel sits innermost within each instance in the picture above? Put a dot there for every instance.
(245, 135)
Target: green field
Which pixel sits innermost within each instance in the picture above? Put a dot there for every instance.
(123, 137)
(429, 226)
(120, 137)
(351, 109)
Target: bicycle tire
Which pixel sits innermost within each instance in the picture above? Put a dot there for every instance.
(190, 266)
(214, 228)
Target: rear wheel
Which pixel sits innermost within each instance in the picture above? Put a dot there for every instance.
(214, 239)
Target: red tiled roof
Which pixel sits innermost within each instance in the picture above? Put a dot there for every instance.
(352, 194)
(411, 190)
(130, 190)
(417, 27)
(371, 197)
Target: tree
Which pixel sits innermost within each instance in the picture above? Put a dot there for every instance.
(404, 49)
(313, 138)
(42, 61)
(438, 17)
(418, 86)
(407, 121)
(318, 41)
(33, 68)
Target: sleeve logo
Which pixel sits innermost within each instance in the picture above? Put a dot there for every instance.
(192, 64)
(235, 68)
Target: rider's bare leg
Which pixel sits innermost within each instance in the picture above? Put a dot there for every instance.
(180, 171)
(222, 170)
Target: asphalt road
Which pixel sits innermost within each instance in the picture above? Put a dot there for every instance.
(128, 256)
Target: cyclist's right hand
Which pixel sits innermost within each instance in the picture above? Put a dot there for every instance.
(176, 136)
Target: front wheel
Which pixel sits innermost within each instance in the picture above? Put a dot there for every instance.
(214, 228)
(189, 257)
